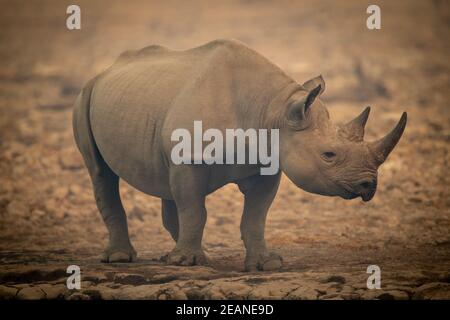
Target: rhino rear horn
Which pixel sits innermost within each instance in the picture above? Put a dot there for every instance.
(383, 147)
(354, 130)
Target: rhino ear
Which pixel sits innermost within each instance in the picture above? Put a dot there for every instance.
(314, 82)
(298, 112)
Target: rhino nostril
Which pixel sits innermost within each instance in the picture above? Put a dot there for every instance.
(367, 185)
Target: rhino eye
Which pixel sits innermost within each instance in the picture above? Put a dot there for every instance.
(329, 156)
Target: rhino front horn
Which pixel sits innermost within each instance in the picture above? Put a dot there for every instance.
(354, 130)
(383, 147)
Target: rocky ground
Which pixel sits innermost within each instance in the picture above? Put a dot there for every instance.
(48, 218)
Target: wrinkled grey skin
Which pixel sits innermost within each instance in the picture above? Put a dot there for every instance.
(123, 120)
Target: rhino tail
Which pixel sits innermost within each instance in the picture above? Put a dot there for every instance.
(82, 129)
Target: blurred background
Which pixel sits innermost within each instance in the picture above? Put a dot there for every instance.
(47, 211)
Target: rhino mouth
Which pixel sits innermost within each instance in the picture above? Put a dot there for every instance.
(349, 194)
(367, 196)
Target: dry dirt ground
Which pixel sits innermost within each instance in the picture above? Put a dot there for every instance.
(48, 218)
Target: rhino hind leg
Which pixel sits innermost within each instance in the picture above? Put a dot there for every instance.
(259, 192)
(105, 184)
(106, 190)
(188, 191)
(170, 218)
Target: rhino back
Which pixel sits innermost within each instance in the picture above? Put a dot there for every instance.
(146, 94)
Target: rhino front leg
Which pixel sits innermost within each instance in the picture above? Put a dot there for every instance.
(188, 190)
(259, 192)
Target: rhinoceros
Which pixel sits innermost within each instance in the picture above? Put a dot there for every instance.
(123, 120)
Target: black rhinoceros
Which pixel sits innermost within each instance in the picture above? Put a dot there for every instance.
(124, 118)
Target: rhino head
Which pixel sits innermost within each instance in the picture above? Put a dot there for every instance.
(322, 158)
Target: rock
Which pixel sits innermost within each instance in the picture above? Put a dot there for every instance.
(78, 296)
(172, 293)
(95, 278)
(390, 287)
(17, 208)
(21, 285)
(219, 290)
(234, 290)
(31, 293)
(70, 159)
(273, 290)
(162, 278)
(433, 291)
(127, 278)
(335, 278)
(85, 284)
(54, 291)
(394, 295)
(14, 150)
(113, 285)
(261, 293)
(350, 296)
(144, 292)
(369, 294)
(60, 192)
(444, 277)
(347, 289)
(69, 90)
(303, 293)
(7, 293)
(93, 294)
(330, 296)
(105, 292)
(209, 293)
(150, 292)
(136, 213)
(334, 287)
(53, 107)
(197, 294)
(385, 295)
